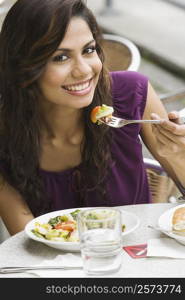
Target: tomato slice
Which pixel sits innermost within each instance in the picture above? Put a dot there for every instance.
(68, 225)
(93, 113)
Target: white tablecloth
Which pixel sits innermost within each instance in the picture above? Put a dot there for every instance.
(20, 250)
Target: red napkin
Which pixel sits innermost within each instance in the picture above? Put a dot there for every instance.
(136, 251)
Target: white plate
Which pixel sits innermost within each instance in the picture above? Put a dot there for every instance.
(165, 224)
(129, 219)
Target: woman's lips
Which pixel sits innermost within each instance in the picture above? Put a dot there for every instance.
(79, 89)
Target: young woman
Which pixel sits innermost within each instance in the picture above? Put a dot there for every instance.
(52, 156)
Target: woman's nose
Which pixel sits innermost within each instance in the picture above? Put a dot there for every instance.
(81, 68)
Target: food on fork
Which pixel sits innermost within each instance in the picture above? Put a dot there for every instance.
(178, 221)
(100, 112)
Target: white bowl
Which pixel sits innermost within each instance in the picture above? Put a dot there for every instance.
(129, 219)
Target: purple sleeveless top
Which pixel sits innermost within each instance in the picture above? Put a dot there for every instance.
(127, 182)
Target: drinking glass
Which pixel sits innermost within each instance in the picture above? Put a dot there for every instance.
(100, 233)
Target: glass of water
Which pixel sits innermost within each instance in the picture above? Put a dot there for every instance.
(100, 233)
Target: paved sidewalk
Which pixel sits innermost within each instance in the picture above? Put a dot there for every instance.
(155, 26)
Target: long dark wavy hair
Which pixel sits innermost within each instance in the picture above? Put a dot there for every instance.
(30, 34)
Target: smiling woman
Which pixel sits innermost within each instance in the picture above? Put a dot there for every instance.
(52, 157)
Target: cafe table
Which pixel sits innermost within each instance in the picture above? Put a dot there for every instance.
(21, 250)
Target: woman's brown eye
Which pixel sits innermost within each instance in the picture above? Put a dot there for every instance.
(90, 49)
(61, 57)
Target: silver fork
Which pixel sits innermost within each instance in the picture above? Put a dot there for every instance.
(118, 122)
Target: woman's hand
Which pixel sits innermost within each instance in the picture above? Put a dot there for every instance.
(170, 135)
(165, 141)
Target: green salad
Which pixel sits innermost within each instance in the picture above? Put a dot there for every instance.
(60, 228)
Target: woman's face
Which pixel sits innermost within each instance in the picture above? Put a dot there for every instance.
(72, 73)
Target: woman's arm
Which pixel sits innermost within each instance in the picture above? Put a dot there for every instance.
(13, 209)
(165, 141)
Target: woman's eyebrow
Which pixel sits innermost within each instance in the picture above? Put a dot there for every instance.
(70, 50)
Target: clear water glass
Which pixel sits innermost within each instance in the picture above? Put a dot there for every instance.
(100, 233)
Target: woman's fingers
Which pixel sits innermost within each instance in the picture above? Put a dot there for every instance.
(170, 137)
(170, 126)
(163, 136)
(173, 115)
(166, 144)
(178, 139)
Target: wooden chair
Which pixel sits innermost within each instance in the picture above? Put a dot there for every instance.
(120, 53)
(162, 187)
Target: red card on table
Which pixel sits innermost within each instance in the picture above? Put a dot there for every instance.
(136, 251)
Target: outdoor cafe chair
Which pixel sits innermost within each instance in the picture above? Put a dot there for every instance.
(120, 53)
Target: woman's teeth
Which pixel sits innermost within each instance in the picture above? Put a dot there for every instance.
(78, 87)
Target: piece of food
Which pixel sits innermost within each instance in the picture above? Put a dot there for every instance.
(178, 221)
(123, 227)
(99, 112)
(60, 228)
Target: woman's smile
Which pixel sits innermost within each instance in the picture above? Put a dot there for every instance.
(79, 89)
